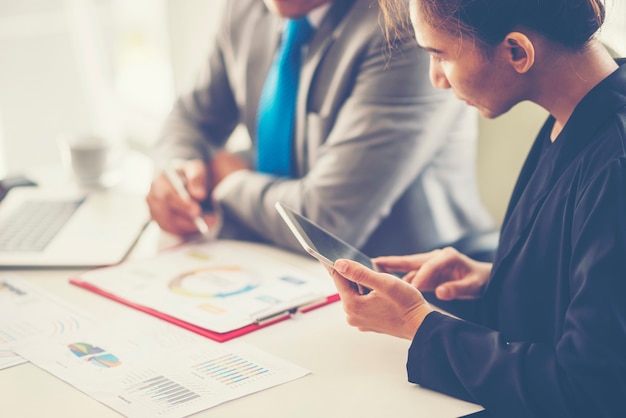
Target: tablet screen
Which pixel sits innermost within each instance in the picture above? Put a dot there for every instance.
(319, 240)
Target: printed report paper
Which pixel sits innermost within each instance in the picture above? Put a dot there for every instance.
(28, 313)
(219, 286)
(153, 368)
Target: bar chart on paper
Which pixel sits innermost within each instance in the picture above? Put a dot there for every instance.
(158, 393)
(157, 369)
(230, 370)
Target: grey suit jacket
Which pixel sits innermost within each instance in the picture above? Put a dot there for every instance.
(384, 161)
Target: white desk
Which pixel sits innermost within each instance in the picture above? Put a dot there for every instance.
(353, 374)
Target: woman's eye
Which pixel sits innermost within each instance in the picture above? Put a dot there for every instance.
(437, 58)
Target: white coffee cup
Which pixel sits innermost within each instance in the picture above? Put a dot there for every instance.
(92, 159)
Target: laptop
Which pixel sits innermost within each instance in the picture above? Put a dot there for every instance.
(42, 227)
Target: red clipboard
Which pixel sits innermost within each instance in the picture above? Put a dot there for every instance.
(219, 337)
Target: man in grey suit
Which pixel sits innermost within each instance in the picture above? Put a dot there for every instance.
(381, 158)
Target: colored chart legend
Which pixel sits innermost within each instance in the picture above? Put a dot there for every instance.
(88, 352)
(84, 349)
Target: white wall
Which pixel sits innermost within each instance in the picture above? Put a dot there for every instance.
(192, 24)
(76, 66)
(502, 148)
(73, 66)
(39, 91)
(613, 33)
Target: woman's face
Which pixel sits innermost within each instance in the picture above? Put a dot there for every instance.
(487, 83)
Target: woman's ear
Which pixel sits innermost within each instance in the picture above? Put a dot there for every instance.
(520, 51)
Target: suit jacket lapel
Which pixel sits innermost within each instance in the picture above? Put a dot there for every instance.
(329, 30)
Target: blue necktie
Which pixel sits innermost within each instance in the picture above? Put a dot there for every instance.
(277, 106)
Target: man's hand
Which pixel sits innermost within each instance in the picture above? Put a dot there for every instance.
(173, 213)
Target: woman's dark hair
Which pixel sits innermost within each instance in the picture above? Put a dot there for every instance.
(571, 23)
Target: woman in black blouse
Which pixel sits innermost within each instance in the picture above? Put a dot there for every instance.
(550, 340)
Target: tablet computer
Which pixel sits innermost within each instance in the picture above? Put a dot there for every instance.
(320, 243)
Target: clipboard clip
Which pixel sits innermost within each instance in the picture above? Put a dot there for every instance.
(288, 312)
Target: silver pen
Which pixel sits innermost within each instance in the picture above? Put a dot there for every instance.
(178, 184)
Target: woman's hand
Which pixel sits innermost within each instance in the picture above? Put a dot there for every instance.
(392, 306)
(450, 274)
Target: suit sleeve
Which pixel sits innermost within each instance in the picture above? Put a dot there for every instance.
(383, 137)
(202, 119)
(580, 374)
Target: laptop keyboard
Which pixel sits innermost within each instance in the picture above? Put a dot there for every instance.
(35, 224)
